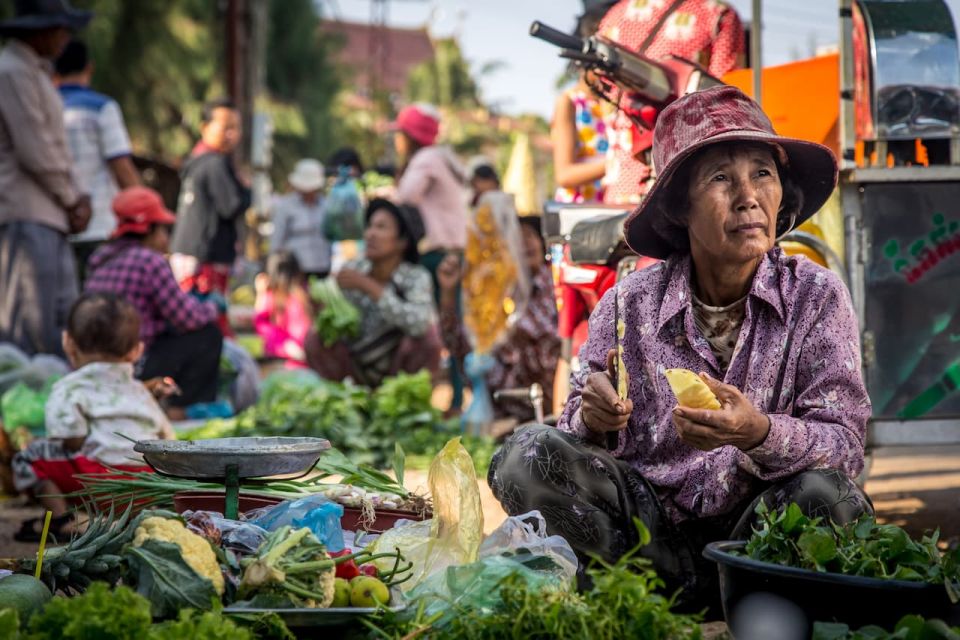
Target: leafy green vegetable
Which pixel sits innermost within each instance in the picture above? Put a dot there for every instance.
(861, 548)
(99, 613)
(122, 614)
(166, 580)
(9, 624)
(623, 603)
(197, 625)
(908, 628)
(364, 424)
(337, 318)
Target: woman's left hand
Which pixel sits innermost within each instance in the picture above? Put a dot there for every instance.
(737, 423)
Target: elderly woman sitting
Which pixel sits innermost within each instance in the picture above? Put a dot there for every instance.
(774, 337)
(398, 330)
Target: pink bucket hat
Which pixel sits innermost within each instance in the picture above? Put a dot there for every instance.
(419, 121)
(703, 118)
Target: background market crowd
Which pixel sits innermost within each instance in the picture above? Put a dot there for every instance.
(74, 217)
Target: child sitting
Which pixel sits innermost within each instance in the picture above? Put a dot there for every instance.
(94, 413)
(282, 317)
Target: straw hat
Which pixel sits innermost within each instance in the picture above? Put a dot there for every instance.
(700, 119)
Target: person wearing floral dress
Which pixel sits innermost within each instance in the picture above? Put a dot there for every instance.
(578, 131)
(707, 32)
(775, 338)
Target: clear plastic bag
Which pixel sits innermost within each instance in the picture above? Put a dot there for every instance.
(12, 363)
(315, 512)
(528, 532)
(452, 536)
(245, 388)
(476, 586)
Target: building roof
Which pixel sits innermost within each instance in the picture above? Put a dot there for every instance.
(387, 52)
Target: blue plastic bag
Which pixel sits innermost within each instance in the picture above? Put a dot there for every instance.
(317, 513)
(343, 209)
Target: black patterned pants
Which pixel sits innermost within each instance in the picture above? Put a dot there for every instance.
(591, 499)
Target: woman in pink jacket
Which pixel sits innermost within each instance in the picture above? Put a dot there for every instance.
(433, 180)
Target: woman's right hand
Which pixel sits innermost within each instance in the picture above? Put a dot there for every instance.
(601, 409)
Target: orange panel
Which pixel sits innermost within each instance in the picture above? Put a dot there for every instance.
(801, 98)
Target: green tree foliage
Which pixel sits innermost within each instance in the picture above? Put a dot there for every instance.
(303, 84)
(160, 59)
(446, 80)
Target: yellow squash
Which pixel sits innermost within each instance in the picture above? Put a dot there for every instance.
(690, 390)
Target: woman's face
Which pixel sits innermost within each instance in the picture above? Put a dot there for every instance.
(382, 237)
(158, 239)
(735, 196)
(533, 248)
(401, 143)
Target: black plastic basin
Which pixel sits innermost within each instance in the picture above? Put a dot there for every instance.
(821, 597)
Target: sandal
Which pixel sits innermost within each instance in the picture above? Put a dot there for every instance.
(32, 529)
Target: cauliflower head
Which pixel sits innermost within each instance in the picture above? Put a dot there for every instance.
(196, 551)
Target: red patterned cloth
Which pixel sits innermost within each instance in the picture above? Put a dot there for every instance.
(211, 278)
(705, 31)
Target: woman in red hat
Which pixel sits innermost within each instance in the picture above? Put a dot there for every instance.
(434, 181)
(179, 333)
(774, 337)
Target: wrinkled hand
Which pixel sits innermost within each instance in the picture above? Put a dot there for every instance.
(449, 273)
(78, 216)
(601, 409)
(737, 423)
(162, 388)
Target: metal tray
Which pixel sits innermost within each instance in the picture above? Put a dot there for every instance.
(255, 457)
(311, 618)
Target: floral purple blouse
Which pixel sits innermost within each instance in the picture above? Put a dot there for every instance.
(797, 359)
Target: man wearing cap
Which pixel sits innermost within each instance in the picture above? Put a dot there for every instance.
(211, 207)
(298, 220)
(774, 338)
(179, 333)
(40, 202)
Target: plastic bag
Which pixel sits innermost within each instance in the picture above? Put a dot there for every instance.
(452, 536)
(12, 363)
(240, 537)
(23, 406)
(16, 366)
(343, 209)
(528, 532)
(315, 512)
(245, 387)
(476, 585)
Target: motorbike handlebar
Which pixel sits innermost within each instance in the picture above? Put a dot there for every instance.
(555, 36)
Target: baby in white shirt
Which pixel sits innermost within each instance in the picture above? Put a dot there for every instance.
(93, 414)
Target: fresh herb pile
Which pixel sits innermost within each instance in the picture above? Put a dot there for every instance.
(624, 602)
(117, 614)
(860, 548)
(362, 423)
(337, 318)
(908, 628)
